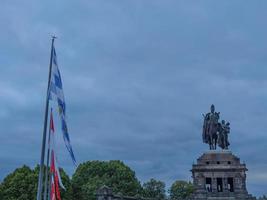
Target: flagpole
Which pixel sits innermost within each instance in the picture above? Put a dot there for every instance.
(47, 171)
(41, 172)
(49, 189)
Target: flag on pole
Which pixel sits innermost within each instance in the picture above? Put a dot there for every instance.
(55, 174)
(56, 93)
(41, 171)
(55, 180)
(52, 145)
(55, 192)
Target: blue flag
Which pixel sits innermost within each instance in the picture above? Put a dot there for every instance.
(56, 93)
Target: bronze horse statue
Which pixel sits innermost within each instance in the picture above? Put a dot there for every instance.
(211, 127)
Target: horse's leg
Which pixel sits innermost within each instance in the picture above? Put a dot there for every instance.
(216, 139)
(211, 143)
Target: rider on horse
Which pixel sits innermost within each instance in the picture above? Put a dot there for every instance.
(211, 127)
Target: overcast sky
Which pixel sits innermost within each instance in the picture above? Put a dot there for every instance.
(137, 77)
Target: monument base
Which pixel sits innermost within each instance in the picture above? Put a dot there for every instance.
(219, 175)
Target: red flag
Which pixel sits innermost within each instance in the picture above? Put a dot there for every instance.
(55, 176)
(55, 192)
(52, 123)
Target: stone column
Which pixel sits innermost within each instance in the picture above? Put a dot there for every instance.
(225, 184)
(214, 184)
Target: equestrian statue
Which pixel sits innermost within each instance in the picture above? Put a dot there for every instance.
(215, 132)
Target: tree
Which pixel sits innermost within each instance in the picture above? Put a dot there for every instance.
(19, 185)
(154, 189)
(65, 194)
(1, 192)
(181, 190)
(91, 175)
(22, 184)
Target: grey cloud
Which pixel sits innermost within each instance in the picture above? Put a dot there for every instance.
(137, 77)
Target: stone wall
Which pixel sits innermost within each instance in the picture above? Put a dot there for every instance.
(220, 175)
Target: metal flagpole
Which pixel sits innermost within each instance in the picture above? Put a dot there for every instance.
(49, 189)
(41, 172)
(46, 174)
(47, 171)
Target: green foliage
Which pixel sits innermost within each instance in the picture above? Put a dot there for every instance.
(22, 185)
(181, 190)
(91, 175)
(154, 189)
(65, 194)
(19, 185)
(1, 192)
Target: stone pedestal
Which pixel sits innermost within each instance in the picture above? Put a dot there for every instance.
(219, 175)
